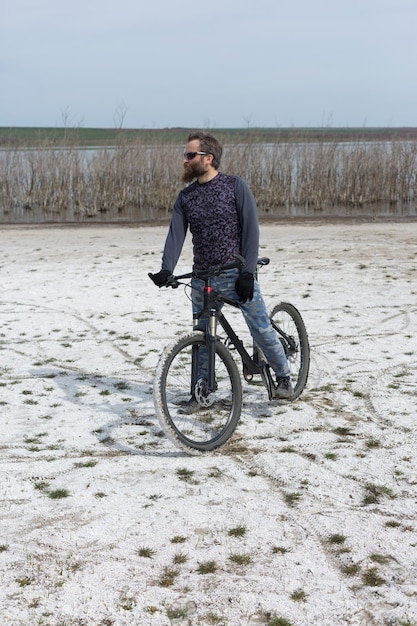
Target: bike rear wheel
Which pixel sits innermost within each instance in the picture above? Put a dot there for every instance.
(289, 325)
(216, 415)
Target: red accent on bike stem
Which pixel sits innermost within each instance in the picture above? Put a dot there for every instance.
(208, 289)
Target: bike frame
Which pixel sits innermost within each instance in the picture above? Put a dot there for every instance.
(212, 309)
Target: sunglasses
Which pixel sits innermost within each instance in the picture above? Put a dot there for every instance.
(189, 156)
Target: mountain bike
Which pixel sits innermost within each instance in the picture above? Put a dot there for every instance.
(217, 394)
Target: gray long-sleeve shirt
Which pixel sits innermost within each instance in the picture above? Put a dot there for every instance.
(223, 219)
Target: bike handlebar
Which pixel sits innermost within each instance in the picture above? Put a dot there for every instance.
(173, 281)
(204, 274)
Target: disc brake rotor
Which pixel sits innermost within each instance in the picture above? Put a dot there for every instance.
(202, 394)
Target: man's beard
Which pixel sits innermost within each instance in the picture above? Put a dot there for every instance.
(192, 170)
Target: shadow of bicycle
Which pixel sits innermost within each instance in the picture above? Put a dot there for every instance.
(131, 428)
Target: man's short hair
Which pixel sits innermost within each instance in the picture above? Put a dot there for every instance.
(209, 144)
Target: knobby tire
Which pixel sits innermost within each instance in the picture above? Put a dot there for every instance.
(209, 427)
(285, 316)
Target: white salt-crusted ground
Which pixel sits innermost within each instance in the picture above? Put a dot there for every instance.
(308, 515)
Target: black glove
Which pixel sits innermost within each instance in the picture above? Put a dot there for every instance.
(244, 286)
(160, 278)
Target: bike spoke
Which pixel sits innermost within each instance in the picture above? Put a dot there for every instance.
(206, 424)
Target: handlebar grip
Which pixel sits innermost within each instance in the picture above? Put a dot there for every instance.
(172, 282)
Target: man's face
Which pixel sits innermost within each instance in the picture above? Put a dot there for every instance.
(197, 166)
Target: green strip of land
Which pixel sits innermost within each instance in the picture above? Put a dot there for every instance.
(38, 136)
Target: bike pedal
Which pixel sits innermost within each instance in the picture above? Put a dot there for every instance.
(247, 375)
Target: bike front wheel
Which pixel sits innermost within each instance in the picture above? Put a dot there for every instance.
(193, 420)
(292, 333)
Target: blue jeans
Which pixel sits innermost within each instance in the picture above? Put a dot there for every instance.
(255, 314)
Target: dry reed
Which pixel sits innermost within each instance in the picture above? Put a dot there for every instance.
(145, 179)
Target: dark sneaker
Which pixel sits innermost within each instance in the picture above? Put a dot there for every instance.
(283, 389)
(190, 407)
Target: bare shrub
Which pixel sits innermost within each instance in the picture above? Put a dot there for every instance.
(145, 178)
(316, 172)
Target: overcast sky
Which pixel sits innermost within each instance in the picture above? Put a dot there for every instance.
(224, 63)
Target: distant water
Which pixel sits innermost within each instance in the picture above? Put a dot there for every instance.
(128, 216)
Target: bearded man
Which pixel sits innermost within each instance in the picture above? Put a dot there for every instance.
(222, 215)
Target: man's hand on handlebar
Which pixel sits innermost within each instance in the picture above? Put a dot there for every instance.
(160, 278)
(163, 278)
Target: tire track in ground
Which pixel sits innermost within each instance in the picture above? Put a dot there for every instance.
(303, 528)
(322, 520)
(49, 334)
(370, 483)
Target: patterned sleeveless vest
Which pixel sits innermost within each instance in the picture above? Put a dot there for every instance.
(210, 209)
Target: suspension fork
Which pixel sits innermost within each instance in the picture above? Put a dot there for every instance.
(211, 346)
(211, 334)
(210, 331)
